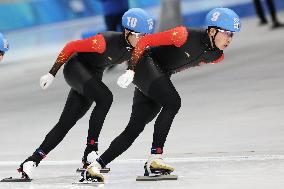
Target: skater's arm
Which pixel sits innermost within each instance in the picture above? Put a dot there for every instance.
(93, 44)
(176, 36)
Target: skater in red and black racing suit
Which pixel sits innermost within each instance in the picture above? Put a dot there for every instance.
(155, 94)
(85, 61)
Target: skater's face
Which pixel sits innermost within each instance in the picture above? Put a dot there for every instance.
(1, 55)
(133, 37)
(222, 39)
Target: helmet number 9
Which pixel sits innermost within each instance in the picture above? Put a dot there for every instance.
(215, 16)
(151, 24)
(5, 43)
(236, 23)
(131, 22)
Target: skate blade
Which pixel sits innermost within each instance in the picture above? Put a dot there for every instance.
(11, 179)
(89, 183)
(104, 170)
(156, 177)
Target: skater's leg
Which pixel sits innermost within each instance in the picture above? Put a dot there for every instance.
(272, 10)
(76, 106)
(144, 110)
(260, 11)
(164, 93)
(97, 91)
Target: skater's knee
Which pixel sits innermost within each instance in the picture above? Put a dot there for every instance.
(151, 114)
(105, 102)
(177, 103)
(108, 99)
(174, 104)
(98, 93)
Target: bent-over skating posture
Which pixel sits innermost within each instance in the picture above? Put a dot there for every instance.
(170, 52)
(85, 61)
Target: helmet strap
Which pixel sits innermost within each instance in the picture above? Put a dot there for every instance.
(213, 37)
(126, 37)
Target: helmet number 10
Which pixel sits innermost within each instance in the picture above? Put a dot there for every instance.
(215, 16)
(131, 22)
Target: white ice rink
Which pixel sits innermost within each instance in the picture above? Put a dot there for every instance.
(229, 132)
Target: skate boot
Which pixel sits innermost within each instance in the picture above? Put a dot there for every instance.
(91, 157)
(156, 166)
(277, 24)
(92, 174)
(156, 169)
(28, 166)
(26, 169)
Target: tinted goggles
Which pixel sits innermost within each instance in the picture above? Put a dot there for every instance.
(226, 32)
(137, 35)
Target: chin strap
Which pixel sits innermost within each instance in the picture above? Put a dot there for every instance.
(126, 39)
(213, 39)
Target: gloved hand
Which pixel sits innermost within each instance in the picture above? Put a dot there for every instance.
(46, 80)
(125, 79)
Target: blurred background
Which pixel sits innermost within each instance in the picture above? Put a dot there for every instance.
(45, 23)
